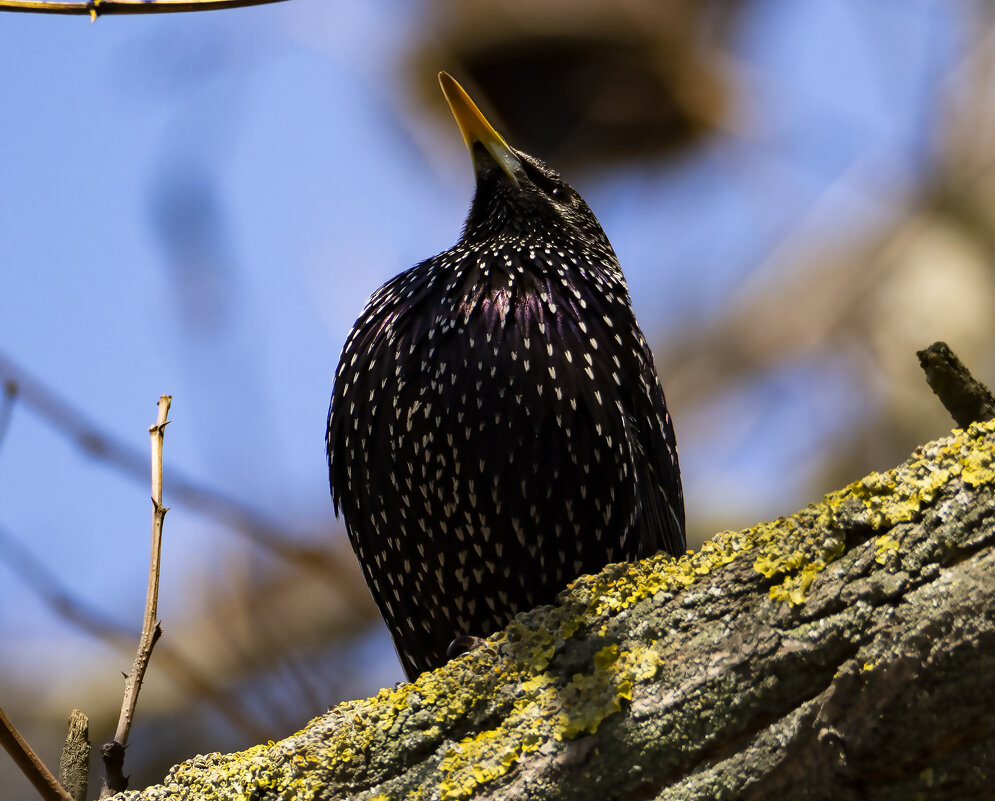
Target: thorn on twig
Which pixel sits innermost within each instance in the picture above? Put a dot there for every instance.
(966, 398)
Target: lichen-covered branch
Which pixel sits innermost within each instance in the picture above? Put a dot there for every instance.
(74, 763)
(843, 652)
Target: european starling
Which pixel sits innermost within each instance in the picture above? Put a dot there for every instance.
(497, 427)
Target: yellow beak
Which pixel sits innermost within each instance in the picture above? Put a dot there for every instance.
(475, 128)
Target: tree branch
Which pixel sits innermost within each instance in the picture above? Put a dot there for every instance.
(7, 401)
(275, 538)
(113, 753)
(30, 764)
(77, 612)
(98, 8)
(966, 398)
(843, 652)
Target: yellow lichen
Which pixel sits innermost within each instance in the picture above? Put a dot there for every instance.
(886, 499)
(886, 546)
(591, 697)
(978, 468)
(786, 549)
(477, 760)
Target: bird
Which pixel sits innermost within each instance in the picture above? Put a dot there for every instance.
(497, 427)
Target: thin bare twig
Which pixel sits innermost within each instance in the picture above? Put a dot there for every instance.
(98, 8)
(31, 766)
(113, 753)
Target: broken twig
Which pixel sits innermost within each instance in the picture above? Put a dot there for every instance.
(74, 764)
(966, 398)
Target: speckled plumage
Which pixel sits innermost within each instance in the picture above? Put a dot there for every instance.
(497, 427)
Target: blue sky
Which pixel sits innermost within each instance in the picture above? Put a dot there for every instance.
(281, 140)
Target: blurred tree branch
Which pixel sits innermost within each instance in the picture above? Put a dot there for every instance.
(858, 298)
(7, 401)
(242, 630)
(31, 766)
(97, 8)
(198, 684)
(131, 461)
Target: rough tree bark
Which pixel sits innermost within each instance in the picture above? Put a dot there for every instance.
(847, 651)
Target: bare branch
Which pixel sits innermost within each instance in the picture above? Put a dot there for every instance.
(966, 398)
(29, 763)
(73, 609)
(113, 753)
(87, 435)
(98, 8)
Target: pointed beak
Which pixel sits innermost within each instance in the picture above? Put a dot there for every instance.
(475, 128)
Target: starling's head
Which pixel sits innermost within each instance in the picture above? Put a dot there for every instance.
(517, 195)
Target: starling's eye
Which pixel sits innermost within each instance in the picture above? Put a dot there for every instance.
(550, 185)
(562, 193)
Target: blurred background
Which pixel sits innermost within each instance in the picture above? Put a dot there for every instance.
(801, 195)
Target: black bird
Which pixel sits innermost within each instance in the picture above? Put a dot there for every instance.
(497, 427)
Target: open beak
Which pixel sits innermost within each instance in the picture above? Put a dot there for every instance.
(475, 128)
